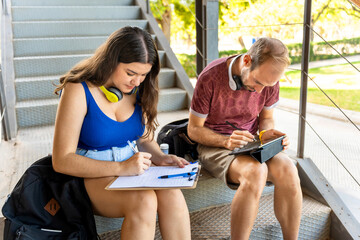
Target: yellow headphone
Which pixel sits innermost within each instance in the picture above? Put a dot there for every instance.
(113, 94)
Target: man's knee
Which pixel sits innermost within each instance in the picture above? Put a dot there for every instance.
(253, 178)
(284, 171)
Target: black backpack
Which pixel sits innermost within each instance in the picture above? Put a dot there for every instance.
(175, 134)
(48, 205)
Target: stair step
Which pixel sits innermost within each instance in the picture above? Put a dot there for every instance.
(215, 221)
(57, 45)
(71, 2)
(42, 87)
(172, 99)
(56, 13)
(33, 29)
(36, 112)
(46, 65)
(167, 78)
(210, 203)
(52, 65)
(209, 206)
(42, 111)
(32, 88)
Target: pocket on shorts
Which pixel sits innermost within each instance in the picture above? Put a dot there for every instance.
(105, 155)
(81, 151)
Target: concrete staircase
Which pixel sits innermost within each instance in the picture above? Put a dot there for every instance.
(49, 37)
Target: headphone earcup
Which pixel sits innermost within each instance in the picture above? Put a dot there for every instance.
(238, 82)
(116, 92)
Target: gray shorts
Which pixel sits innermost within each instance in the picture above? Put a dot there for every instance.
(217, 161)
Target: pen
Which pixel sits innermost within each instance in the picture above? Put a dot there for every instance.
(254, 139)
(232, 125)
(132, 147)
(187, 174)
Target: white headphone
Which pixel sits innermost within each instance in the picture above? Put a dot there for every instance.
(235, 82)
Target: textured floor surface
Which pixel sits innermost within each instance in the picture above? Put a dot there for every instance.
(213, 223)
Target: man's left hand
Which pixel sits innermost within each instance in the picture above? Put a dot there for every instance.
(272, 134)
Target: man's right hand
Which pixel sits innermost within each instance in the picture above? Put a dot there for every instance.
(238, 139)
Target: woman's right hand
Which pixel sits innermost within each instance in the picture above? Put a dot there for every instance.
(136, 165)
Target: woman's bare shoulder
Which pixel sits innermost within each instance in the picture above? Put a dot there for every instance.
(73, 90)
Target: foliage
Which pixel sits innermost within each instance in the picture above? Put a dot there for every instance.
(344, 98)
(230, 11)
(322, 50)
(158, 8)
(188, 61)
(330, 18)
(332, 79)
(184, 19)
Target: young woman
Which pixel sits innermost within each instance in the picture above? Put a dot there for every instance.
(92, 131)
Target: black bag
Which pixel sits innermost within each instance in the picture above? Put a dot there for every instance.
(175, 134)
(48, 205)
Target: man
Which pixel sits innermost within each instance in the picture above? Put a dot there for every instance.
(244, 90)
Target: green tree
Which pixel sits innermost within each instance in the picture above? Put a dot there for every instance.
(175, 17)
(238, 18)
(161, 9)
(184, 20)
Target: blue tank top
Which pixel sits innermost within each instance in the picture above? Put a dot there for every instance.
(99, 132)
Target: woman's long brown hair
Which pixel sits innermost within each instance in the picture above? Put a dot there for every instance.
(126, 45)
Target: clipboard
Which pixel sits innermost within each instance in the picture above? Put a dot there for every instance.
(150, 179)
(261, 152)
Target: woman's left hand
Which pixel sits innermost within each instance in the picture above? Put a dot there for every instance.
(170, 159)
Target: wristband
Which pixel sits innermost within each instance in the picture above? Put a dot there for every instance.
(260, 135)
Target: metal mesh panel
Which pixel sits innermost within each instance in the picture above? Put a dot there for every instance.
(214, 222)
(35, 29)
(172, 99)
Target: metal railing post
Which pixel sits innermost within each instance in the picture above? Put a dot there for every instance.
(199, 23)
(212, 30)
(304, 78)
(147, 6)
(207, 17)
(4, 8)
(3, 111)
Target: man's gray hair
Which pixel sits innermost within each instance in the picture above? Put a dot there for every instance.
(265, 49)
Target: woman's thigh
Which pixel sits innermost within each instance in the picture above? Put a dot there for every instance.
(118, 203)
(170, 197)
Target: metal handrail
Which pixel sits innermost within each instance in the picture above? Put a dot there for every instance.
(3, 110)
(4, 8)
(304, 71)
(147, 6)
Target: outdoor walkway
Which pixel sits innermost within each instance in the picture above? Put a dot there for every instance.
(328, 62)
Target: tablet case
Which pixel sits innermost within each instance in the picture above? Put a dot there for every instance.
(261, 153)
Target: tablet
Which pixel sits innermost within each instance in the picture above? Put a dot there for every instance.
(261, 152)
